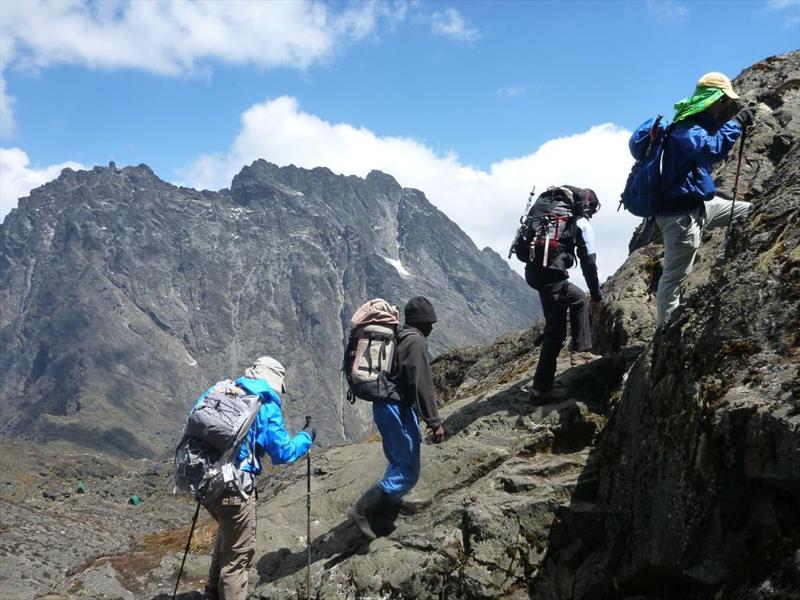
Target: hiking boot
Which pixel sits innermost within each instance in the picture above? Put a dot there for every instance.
(359, 514)
(410, 506)
(555, 394)
(581, 358)
(209, 593)
(541, 396)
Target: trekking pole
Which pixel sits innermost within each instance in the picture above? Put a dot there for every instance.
(522, 220)
(308, 516)
(186, 551)
(729, 233)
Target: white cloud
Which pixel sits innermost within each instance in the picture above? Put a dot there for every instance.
(782, 4)
(485, 203)
(7, 125)
(667, 11)
(511, 91)
(177, 38)
(17, 179)
(791, 8)
(451, 23)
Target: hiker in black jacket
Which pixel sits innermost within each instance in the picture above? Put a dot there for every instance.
(398, 423)
(559, 296)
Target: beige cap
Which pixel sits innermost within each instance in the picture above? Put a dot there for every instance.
(270, 370)
(719, 81)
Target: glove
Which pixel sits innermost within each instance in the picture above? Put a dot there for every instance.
(746, 116)
(310, 431)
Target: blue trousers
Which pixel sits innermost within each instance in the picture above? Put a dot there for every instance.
(399, 429)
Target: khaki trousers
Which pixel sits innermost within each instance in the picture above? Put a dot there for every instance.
(682, 234)
(234, 547)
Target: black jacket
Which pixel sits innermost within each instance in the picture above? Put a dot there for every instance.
(413, 375)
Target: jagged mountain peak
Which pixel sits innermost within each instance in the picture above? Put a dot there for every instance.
(123, 295)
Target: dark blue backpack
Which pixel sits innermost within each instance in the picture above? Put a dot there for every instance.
(642, 191)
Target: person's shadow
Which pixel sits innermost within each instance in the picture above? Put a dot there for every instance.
(334, 546)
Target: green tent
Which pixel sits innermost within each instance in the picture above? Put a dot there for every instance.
(135, 500)
(81, 489)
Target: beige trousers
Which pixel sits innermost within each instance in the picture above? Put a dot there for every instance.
(234, 547)
(682, 234)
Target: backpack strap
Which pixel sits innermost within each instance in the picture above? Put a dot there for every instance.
(683, 174)
(406, 332)
(399, 337)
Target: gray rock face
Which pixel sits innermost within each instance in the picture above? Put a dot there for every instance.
(122, 297)
(701, 462)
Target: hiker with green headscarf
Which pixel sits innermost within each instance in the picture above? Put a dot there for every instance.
(702, 133)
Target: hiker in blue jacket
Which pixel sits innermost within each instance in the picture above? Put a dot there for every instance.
(702, 134)
(398, 423)
(236, 515)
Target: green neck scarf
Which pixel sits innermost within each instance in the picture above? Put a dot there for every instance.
(702, 98)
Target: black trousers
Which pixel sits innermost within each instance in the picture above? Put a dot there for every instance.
(559, 298)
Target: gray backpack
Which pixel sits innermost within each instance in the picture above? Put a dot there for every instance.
(214, 432)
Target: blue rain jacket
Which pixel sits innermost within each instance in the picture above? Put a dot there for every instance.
(689, 153)
(267, 433)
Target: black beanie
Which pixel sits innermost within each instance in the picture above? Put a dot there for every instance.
(591, 201)
(420, 310)
(585, 201)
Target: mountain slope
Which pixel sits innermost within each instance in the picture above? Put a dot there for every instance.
(122, 296)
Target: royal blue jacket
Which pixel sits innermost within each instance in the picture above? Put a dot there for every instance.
(267, 433)
(690, 151)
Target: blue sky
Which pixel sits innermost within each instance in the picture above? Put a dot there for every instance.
(473, 102)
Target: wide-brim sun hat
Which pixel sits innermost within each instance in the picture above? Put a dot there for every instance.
(270, 370)
(718, 81)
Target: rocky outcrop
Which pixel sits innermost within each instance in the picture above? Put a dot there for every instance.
(122, 296)
(772, 87)
(701, 462)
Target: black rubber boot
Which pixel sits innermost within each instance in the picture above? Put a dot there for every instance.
(383, 516)
(360, 513)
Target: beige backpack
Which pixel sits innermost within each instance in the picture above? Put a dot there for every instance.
(369, 355)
